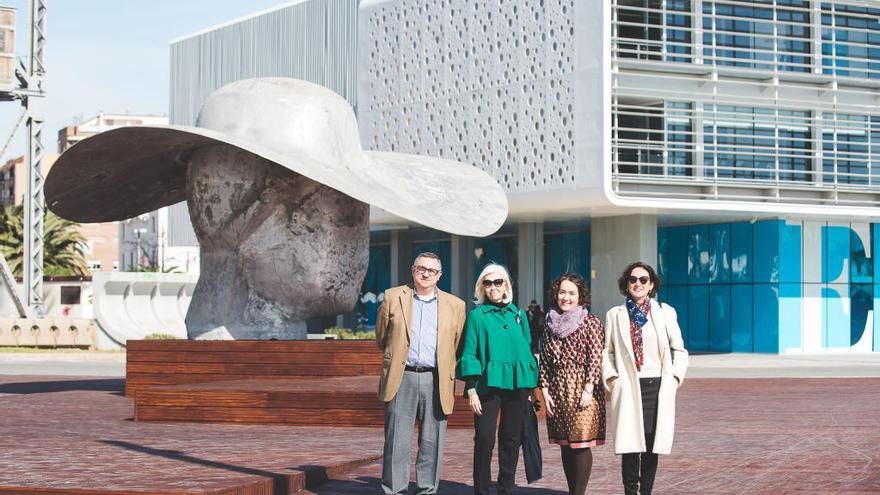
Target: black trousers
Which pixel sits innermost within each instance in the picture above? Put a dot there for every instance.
(510, 404)
(640, 468)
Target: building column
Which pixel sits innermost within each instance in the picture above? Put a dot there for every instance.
(614, 243)
(401, 257)
(461, 271)
(530, 259)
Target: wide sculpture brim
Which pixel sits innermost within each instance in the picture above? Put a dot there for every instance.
(129, 171)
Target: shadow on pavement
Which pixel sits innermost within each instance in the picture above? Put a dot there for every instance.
(115, 385)
(280, 482)
(366, 484)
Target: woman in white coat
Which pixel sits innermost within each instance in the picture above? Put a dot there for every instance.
(643, 363)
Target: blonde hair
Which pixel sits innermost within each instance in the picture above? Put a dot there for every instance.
(480, 292)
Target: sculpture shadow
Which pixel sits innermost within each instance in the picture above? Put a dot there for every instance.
(280, 481)
(316, 476)
(113, 385)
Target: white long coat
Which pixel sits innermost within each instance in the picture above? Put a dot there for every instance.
(618, 362)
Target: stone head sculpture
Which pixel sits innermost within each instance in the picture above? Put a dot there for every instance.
(279, 192)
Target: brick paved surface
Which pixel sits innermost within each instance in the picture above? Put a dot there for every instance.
(62, 433)
(755, 436)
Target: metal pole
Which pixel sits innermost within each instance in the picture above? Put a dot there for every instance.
(9, 283)
(138, 231)
(34, 205)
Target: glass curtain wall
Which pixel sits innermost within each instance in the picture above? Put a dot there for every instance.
(500, 249)
(851, 40)
(758, 34)
(773, 35)
(746, 143)
(851, 149)
(757, 143)
(653, 138)
(566, 252)
(654, 30)
(376, 280)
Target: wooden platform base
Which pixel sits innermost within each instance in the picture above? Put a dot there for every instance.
(306, 383)
(337, 401)
(173, 362)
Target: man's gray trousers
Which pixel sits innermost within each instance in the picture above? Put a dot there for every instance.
(417, 398)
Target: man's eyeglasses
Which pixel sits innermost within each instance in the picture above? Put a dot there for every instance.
(424, 269)
(498, 282)
(633, 279)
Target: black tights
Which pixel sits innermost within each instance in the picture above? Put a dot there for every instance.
(577, 463)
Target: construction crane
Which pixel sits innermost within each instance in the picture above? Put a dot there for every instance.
(28, 89)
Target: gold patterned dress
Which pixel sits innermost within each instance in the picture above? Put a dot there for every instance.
(567, 365)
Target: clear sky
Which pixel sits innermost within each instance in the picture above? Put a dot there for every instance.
(111, 55)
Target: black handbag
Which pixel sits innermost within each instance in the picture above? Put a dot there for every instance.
(531, 444)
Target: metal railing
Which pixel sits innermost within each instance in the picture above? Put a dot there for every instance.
(646, 30)
(722, 150)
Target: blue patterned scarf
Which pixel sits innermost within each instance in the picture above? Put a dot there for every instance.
(638, 316)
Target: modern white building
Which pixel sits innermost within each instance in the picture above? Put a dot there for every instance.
(734, 144)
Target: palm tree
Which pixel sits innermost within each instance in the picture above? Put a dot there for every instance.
(63, 245)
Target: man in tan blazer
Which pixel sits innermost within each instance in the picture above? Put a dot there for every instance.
(419, 329)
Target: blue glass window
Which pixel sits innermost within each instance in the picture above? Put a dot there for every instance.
(847, 141)
(751, 142)
(642, 26)
(566, 252)
(849, 33)
(497, 249)
(767, 35)
(679, 132)
(640, 132)
(376, 281)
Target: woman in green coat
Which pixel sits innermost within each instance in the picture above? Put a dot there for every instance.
(500, 373)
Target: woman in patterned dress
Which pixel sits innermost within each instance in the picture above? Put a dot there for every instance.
(571, 376)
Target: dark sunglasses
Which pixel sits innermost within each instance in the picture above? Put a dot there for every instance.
(498, 282)
(633, 279)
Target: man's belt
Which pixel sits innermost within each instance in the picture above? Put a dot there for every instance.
(420, 369)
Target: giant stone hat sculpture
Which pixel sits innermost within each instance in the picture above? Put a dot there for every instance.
(278, 190)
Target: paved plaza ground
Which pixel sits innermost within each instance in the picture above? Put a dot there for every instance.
(735, 435)
(754, 436)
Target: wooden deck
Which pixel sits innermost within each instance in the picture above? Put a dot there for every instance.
(302, 383)
(174, 362)
(332, 401)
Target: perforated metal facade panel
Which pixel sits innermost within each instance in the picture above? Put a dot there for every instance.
(486, 82)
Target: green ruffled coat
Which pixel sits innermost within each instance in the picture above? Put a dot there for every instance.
(496, 353)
